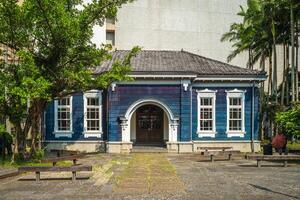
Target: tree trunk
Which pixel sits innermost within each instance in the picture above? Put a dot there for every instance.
(270, 78)
(293, 52)
(262, 101)
(274, 90)
(283, 78)
(297, 66)
(38, 107)
(287, 92)
(20, 141)
(250, 58)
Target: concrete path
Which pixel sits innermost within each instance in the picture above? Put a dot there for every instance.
(147, 174)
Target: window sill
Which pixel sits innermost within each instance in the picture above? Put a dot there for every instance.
(235, 133)
(59, 134)
(202, 134)
(88, 134)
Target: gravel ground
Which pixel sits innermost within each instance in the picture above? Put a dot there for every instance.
(172, 176)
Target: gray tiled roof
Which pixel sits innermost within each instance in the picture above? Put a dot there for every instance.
(176, 62)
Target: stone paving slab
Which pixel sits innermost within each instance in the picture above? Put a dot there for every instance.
(7, 172)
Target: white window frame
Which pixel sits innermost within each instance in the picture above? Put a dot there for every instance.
(63, 133)
(236, 94)
(206, 94)
(92, 94)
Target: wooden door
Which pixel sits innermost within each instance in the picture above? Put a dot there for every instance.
(149, 124)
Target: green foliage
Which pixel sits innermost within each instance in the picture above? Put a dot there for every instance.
(53, 55)
(293, 146)
(6, 137)
(39, 155)
(290, 120)
(7, 163)
(264, 22)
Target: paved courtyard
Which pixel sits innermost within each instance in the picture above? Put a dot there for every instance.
(160, 176)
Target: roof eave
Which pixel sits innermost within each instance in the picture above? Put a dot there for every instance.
(258, 78)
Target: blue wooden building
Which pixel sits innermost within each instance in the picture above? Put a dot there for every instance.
(178, 100)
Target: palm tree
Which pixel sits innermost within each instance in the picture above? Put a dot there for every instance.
(266, 25)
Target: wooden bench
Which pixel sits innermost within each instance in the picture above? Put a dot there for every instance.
(60, 152)
(72, 169)
(214, 151)
(54, 160)
(284, 158)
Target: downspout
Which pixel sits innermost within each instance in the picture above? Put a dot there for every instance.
(191, 111)
(252, 118)
(107, 118)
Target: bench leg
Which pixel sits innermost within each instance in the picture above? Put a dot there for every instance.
(285, 163)
(229, 156)
(37, 176)
(258, 163)
(74, 176)
(211, 158)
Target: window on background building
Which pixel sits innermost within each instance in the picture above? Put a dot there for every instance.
(206, 113)
(63, 114)
(110, 38)
(235, 113)
(110, 21)
(92, 114)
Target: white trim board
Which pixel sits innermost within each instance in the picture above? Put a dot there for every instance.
(225, 141)
(229, 79)
(153, 82)
(73, 141)
(224, 85)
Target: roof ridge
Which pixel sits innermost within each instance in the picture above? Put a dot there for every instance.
(150, 50)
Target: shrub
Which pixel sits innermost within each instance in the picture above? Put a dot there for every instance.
(290, 121)
(39, 154)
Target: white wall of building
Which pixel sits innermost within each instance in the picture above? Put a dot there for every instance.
(99, 32)
(99, 37)
(192, 25)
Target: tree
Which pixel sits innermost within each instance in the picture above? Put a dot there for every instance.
(54, 56)
(290, 121)
(265, 25)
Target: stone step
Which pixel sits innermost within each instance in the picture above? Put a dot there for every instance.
(148, 149)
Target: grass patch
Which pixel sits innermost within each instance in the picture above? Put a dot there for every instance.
(7, 163)
(293, 146)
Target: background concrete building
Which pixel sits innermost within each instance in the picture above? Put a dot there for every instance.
(193, 25)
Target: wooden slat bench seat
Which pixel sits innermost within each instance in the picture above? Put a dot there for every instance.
(284, 158)
(72, 169)
(60, 152)
(54, 160)
(214, 151)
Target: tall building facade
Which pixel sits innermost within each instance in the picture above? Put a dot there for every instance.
(192, 25)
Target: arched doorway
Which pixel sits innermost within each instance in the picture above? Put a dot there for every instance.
(149, 125)
(128, 128)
